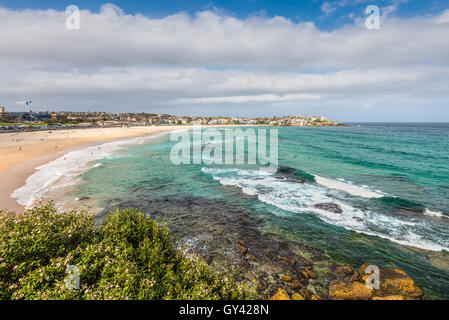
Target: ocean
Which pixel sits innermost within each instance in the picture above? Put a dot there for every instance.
(390, 182)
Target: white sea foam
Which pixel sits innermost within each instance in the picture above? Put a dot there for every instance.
(62, 171)
(359, 191)
(298, 198)
(430, 213)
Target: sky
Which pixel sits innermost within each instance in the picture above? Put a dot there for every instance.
(229, 58)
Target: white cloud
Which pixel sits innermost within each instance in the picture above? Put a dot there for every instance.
(386, 11)
(209, 39)
(328, 7)
(443, 18)
(212, 59)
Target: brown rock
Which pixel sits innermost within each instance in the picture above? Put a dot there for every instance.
(242, 242)
(252, 257)
(361, 274)
(306, 294)
(280, 295)
(389, 298)
(331, 207)
(287, 278)
(308, 274)
(283, 245)
(241, 249)
(297, 296)
(342, 270)
(261, 286)
(330, 276)
(339, 290)
(285, 259)
(362, 270)
(295, 284)
(395, 282)
(306, 262)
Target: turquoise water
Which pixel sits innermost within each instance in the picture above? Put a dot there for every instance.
(391, 182)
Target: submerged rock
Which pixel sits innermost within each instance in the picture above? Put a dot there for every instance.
(343, 271)
(295, 180)
(397, 282)
(439, 260)
(290, 179)
(82, 198)
(331, 207)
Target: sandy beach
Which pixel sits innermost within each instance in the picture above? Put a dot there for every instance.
(22, 152)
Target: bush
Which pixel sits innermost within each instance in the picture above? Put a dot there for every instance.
(129, 256)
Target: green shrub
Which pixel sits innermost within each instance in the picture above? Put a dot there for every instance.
(129, 256)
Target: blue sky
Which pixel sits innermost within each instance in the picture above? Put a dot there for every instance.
(248, 58)
(297, 10)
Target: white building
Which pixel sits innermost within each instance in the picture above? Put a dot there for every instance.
(298, 122)
(2, 110)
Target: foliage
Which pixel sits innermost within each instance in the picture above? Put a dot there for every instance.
(128, 256)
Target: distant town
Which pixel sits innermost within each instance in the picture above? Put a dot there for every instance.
(29, 120)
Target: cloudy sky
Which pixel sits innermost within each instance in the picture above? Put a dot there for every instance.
(247, 58)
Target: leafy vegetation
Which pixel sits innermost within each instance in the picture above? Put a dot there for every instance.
(128, 256)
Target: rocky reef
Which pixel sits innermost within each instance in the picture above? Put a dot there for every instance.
(232, 238)
(347, 284)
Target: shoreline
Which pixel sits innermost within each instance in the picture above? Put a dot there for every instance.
(21, 153)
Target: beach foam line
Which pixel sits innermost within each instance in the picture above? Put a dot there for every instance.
(348, 188)
(62, 171)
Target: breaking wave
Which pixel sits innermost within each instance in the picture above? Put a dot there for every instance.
(299, 198)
